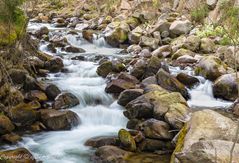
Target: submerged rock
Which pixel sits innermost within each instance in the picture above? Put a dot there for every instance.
(59, 120)
(72, 49)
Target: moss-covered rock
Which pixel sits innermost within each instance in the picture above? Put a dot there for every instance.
(192, 43)
(210, 67)
(19, 155)
(207, 45)
(105, 68)
(6, 125)
(170, 83)
(127, 141)
(225, 87)
(182, 52)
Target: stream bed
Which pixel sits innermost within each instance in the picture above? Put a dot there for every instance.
(99, 112)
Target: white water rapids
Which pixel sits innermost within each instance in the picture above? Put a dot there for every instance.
(99, 113)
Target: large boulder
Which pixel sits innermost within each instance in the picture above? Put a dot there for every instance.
(210, 67)
(207, 151)
(179, 27)
(116, 33)
(170, 83)
(126, 140)
(52, 91)
(128, 95)
(225, 87)
(23, 114)
(88, 35)
(65, 100)
(118, 86)
(154, 145)
(59, 120)
(36, 95)
(162, 52)
(73, 49)
(139, 68)
(6, 125)
(226, 54)
(150, 42)
(156, 129)
(154, 64)
(19, 155)
(204, 126)
(108, 67)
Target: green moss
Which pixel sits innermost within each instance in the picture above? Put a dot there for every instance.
(180, 142)
(127, 140)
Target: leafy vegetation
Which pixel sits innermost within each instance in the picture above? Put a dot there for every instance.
(199, 13)
(12, 21)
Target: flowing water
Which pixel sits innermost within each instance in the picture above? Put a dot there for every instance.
(99, 113)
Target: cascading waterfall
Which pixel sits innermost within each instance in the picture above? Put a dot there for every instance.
(99, 113)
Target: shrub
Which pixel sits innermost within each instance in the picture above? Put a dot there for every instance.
(199, 13)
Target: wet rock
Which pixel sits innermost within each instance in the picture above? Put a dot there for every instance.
(58, 41)
(110, 154)
(139, 108)
(11, 138)
(133, 124)
(139, 69)
(98, 142)
(42, 31)
(54, 65)
(52, 91)
(179, 27)
(88, 35)
(30, 84)
(72, 49)
(118, 86)
(19, 155)
(150, 42)
(154, 64)
(23, 114)
(36, 95)
(182, 52)
(177, 115)
(205, 125)
(59, 120)
(225, 87)
(186, 59)
(128, 95)
(149, 80)
(117, 33)
(192, 43)
(235, 107)
(51, 48)
(153, 145)
(187, 80)
(171, 83)
(162, 51)
(126, 140)
(210, 67)
(154, 87)
(18, 76)
(127, 77)
(204, 151)
(207, 45)
(105, 68)
(65, 100)
(156, 129)
(6, 125)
